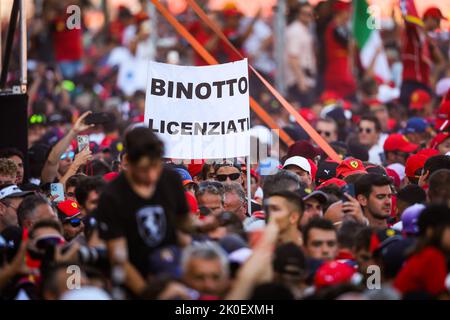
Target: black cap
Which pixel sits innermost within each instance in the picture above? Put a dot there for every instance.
(326, 170)
(289, 259)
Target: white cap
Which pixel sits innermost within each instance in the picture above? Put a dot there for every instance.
(399, 169)
(298, 161)
(13, 191)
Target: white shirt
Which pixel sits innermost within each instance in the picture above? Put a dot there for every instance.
(300, 43)
(262, 59)
(376, 153)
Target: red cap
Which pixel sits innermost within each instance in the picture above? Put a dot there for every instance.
(347, 105)
(434, 12)
(350, 166)
(341, 6)
(338, 182)
(443, 115)
(394, 175)
(192, 202)
(428, 152)
(333, 273)
(440, 137)
(304, 149)
(110, 176)
(255, 175)
(398, 142)
(419, 98)
(414, 163)
(308, 114)
(69, 208)
(328, 97)
(195, 168)
(313, 169)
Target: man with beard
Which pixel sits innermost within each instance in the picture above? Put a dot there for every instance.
(374, 194)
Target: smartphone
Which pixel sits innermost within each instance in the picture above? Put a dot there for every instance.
(57, 189)
(83, 142)
(349, 189)
(98, 118)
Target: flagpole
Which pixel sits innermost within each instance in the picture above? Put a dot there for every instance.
(249, 186)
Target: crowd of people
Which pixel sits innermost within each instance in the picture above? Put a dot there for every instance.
(137, 225)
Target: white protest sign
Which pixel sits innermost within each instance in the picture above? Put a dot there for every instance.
(200, 112)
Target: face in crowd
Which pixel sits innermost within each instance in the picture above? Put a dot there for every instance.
(211, 201)
(312, 209)
(227, 174)
(284, 213)
(236, 205)
(368, 135)
(379, 203)
(321, 243)
(328, 130)
(205, 271)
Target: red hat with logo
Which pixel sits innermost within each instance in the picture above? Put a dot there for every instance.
(443, 116)
(68, 209)
(419, 98)
(350, 166)
(434, 12)
(398, 142)
(414, 163)
(438, 139)
(333, 273)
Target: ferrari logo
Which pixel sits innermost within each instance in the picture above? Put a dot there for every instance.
(74, 205)
(354, 164)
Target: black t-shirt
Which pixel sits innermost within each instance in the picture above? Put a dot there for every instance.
(147, 224)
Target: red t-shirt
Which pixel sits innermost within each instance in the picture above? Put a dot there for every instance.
(68, 43)
(424, 271)
(338, 77)
(203, 37)
(415, 55)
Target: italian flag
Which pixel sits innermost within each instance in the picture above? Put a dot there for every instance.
(368, 41)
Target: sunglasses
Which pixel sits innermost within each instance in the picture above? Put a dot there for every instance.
(37, 119)
(49, 241)
(367, 130)
(70, 154)
(232, 176)
(74, 222)
(204, 211)
(325, 133)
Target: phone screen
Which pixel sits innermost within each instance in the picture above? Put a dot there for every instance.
(349, 189)
(83, 142)
(57, 190)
